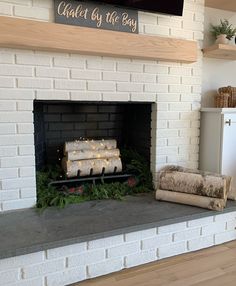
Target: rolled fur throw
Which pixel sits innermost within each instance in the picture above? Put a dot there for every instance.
(190, 199)
(183, 180)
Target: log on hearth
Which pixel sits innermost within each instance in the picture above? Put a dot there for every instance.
(79, 145)
(199, 183)
(92, 154)
(190, 199)
(98, 166)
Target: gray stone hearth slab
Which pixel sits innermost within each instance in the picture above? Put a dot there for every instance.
(28, 231)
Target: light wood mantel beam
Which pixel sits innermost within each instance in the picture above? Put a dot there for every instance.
(35, 35)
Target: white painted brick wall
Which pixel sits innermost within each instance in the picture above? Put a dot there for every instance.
(116, 96)
(226, 236)
(155, 241)
(7, 128)
(43, 268)
(73, 263)
(66, 277)
(105, 267)
(172, 249)
(26, 75)
(214, 228)
(140, 258)
(106, 242)
(186, 234)
(140, 235)
(172, 228)
(199, 243)
(124, 249)
(85, 258)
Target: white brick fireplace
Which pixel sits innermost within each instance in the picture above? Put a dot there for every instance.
(26, 75)
(174, 89)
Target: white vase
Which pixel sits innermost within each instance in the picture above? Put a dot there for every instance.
(222, 39)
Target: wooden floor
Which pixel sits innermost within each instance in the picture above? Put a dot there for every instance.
(211, 267)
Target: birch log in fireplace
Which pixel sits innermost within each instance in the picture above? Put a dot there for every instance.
(91, 157)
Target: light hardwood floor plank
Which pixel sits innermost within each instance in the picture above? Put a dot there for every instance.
(212, 266)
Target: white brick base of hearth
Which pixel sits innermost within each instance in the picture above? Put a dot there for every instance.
(73, 263)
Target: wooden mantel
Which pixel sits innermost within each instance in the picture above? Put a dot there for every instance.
(28, 34)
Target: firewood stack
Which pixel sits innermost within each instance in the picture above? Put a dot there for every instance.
(193, 187)
(91, 157)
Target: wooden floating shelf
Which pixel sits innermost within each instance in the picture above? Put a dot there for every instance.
(221, 4)
(35, 35)
(220, 51)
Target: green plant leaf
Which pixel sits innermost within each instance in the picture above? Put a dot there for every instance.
(223, 28)
(133, 162)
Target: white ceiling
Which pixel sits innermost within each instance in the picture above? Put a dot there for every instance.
(229, 5)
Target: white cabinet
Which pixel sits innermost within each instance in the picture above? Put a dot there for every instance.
(218, 142)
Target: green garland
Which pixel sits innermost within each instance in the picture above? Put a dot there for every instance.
(133, 163)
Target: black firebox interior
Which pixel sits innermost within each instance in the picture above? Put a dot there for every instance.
(57, 122)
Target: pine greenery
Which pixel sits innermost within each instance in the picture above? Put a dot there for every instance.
(134, 164)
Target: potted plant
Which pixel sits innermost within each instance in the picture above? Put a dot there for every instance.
(224, 32)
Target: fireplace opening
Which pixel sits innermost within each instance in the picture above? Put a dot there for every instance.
(126, 124)
(57, 122)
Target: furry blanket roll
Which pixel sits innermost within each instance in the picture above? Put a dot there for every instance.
(192, 200)
(193, 187)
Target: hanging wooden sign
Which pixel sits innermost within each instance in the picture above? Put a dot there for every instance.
(95, 15)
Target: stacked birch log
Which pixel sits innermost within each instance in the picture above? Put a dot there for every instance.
(193, 187)
(91, 157)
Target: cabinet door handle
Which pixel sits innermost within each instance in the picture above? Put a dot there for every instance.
(230, 122)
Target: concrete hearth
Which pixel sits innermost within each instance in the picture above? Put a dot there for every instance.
(28, 231)
(61, 247)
